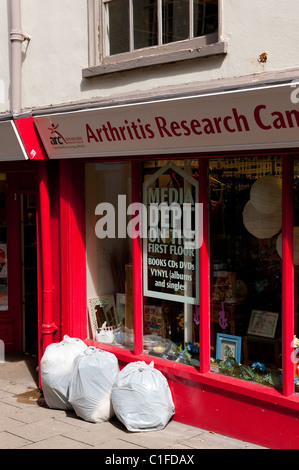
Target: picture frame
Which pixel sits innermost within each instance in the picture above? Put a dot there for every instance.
(102, 309)
(263, 323)
(223, 288)
(228, 346)
(120, 307)
(31, 201)
(153, 319)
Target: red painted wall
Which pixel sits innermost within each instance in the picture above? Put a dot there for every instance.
(72, 249)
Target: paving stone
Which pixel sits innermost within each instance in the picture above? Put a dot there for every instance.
(57, 442)
(155, 439)
(75, 421)
(7, 424)
(7, 409)
(93, 437)
(183, 429)
(117, 443)
(41, 430)
(30, 415)
(213, 441)
(4, 394)
(11, 441)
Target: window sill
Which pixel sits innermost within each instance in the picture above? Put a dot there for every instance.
(230, 384)
(207, 50)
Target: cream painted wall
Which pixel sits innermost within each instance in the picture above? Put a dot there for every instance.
(4, 58)
(58, 51)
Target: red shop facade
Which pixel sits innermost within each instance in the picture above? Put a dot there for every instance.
(166, 231)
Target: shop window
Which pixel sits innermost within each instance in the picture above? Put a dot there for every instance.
(109, 254)
(246, 271)
(152, 31)
(170, 261)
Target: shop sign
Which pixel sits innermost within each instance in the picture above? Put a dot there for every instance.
(243, 119)
(174, 235)
(11, 147)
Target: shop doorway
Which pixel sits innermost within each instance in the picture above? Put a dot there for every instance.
(29, 273)
(18, 263)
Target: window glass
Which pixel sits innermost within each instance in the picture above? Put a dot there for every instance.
(175, 20)
(145, 23)
(117, 27)
(205, 17)
(170, 261)
(245, 305)
(108, 254)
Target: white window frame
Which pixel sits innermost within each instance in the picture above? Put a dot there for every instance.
(99, 64)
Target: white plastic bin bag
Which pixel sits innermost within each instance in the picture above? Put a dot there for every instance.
(141, 397)
(56, 367)
(91, 384)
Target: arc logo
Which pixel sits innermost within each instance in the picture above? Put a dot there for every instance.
(56, 138)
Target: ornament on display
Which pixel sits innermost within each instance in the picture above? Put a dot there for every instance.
(295, 245)
(266, 194)
(261, 225)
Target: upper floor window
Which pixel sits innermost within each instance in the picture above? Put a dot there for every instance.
(126, 34)
(135, 24)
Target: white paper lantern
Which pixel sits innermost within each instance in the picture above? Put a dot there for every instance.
(295, 245)
(266, 194)
(261, 225)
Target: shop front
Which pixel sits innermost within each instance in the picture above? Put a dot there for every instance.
(18, 251)
(176, 240)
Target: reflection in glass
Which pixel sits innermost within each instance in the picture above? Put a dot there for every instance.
(170, 302)
(135, 24)
(108, 258)
(145, 23)
(245, 306)
(117, 27)
(205, 17)
(175, 20)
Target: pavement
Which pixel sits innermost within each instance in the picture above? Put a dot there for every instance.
(27, 423)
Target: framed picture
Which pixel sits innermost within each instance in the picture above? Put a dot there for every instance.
(102, 309)
(262, 323)
(31, 202)
(223, 289)
(153, 319)
(120, 306)
(228, 346)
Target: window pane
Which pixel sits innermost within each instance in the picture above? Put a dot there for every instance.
(205, 17)
(170, 302)
(117, 27)
(175, 20)
(145, 23)
(108, 258)
(245, 308)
